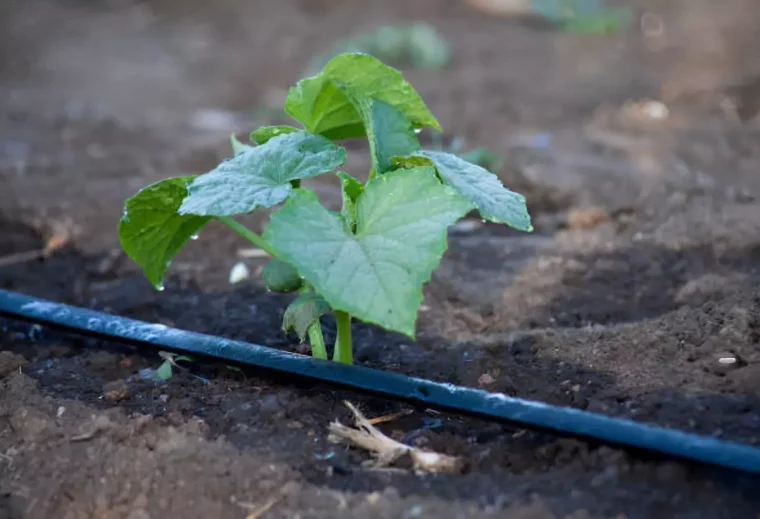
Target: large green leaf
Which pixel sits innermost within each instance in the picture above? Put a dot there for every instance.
(377, 273)
(261, 176)
(320, 103)
(152, 232)
(484, 189)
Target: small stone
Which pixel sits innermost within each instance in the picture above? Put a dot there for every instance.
(485, 380)
(115, 391)
(721, 362)
(295, 424)
(587, 218)
(239, 273)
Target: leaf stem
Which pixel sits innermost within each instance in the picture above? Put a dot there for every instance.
(246, 233)
(343, 347)
(317, 341)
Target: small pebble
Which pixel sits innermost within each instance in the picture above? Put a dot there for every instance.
(723, 362)
(485, 379)
(239, 273)
(115, 391)
(587, 218)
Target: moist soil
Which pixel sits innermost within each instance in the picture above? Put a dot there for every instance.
(641, 275)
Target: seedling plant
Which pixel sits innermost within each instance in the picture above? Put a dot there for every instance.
(370, 260)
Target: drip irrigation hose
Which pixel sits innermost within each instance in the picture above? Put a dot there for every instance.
(442, 396)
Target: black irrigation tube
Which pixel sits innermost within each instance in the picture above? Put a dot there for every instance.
(473, 402)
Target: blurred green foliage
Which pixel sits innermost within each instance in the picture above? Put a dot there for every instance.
(417, 45)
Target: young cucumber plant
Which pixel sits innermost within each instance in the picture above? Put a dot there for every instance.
(368, 261)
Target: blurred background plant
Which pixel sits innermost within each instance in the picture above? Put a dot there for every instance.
(417, 45)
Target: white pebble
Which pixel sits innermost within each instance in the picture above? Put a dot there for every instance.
(238, 273)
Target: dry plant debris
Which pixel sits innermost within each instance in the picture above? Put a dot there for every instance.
(387, 450)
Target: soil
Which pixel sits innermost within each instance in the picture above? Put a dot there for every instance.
(641, 275)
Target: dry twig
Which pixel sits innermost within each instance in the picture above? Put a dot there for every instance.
(389, 417)
(387, 450)
(61, 234)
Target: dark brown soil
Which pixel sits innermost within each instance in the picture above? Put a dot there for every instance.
(642, 273)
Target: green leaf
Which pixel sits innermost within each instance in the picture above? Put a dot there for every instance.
(237, 146)
(304, 311)
(281, 277)
(321, 105)
(376, 274)
(151, 230)
(412, 161)
(261, 176)
(389, 131)
(484, 189)
(352, 189)
(164, 371)
(266, 133)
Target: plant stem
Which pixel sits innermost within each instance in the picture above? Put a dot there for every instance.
(343, 347)
(317, 341)
(247, 234)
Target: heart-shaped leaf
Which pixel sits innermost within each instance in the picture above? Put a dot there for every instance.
(375, 274)
(321, 105)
